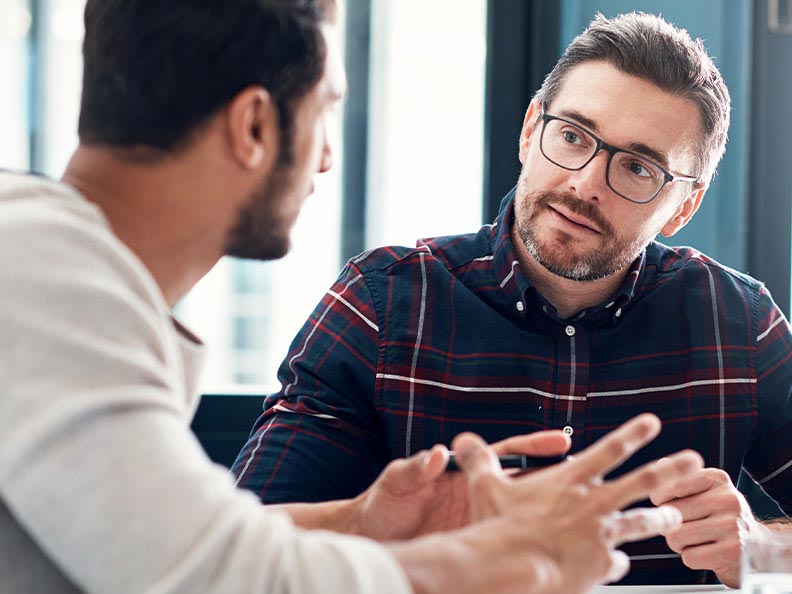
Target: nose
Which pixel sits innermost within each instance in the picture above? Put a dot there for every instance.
(590, 183)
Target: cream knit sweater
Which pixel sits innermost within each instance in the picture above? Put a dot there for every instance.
(103, 488)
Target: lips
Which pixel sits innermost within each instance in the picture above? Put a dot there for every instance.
(576, 219)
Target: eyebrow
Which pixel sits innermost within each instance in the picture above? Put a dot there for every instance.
(636, 147)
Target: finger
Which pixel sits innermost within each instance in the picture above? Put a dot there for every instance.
(700, 532)
(694, 484)
(716, 556)
(435, 462)
(638, 484)
(616, 447)
(475, 457)
(640, 523)
(695, 507)
(541, 443)
(407, 475)
(483, 471)
(620, 565)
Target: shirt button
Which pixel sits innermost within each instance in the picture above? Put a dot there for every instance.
(618, 312)
(570, 330)
(520, 306)
(568, 431)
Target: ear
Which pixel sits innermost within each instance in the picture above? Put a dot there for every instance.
(529, 124)
(685, 211)
(252, 127)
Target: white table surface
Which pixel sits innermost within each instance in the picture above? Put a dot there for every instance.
(693, 589)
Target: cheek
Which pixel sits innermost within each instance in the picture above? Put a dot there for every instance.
(638, 224)
(539, 175)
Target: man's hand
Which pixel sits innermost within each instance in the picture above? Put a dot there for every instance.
(415, 496)
(554, 531)
(714, 512)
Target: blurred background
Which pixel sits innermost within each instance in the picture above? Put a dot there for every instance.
(426, 144)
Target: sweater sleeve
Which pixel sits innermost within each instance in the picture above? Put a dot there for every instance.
(98, 464)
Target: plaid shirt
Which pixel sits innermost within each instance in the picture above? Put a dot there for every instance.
(412, 346)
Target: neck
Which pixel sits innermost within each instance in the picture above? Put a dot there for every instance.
(159, 211)
(569, 297)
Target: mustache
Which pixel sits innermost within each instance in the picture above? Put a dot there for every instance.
(577, 206)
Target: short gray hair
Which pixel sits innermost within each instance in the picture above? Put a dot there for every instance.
(650, 48)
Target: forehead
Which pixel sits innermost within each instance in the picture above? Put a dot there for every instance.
(626, 110)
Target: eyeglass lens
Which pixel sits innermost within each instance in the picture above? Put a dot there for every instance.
(571, 147)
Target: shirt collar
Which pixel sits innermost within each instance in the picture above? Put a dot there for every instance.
(504, 259)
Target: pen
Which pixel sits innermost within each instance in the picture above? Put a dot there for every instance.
(520, 461)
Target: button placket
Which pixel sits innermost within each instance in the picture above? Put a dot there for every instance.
(573, 381)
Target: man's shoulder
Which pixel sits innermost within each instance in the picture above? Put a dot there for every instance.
(47, 227)
(683, 261)
(449, 252)
(28, 201)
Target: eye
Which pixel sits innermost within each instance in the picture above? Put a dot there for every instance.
(572, 136)
(641, 169)
(637, 168)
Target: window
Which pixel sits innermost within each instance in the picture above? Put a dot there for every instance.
(15, 29)
(426, 132)
(425, 175)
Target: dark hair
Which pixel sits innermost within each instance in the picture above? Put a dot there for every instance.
(157, 70)
(648, 47)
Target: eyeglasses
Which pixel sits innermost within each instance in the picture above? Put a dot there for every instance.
(630, 175)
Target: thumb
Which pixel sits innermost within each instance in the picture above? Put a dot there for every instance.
(483, 471)
(407, 475)
(474, 456)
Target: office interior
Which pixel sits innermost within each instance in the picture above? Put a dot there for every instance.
(426, 146)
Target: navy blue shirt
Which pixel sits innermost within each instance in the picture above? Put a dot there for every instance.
(412, 346)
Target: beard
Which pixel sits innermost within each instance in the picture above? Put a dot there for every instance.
(260, 232)
(559, 253)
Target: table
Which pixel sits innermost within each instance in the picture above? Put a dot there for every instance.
(692, 589)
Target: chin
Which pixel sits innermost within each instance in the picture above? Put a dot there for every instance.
(271, 249)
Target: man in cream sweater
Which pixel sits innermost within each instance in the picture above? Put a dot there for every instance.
(202, 126)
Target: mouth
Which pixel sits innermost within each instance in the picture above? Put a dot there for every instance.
(575, 220)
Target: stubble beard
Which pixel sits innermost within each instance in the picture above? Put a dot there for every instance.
(557, 254)
(260, 233)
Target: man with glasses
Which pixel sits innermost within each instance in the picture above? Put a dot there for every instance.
(564, 314)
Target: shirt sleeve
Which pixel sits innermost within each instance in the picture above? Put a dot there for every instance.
(319, 437)
(769, 460)
(98, 464)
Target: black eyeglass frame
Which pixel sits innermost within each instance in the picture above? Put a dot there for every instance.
(612, 150)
